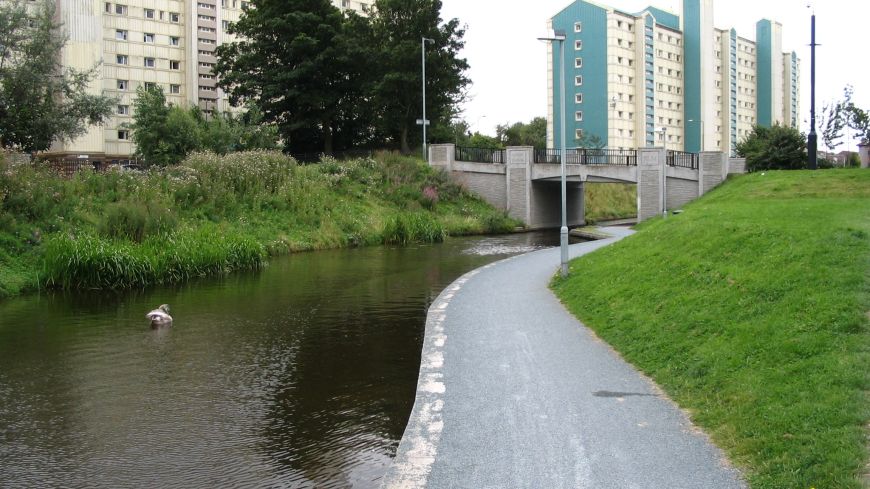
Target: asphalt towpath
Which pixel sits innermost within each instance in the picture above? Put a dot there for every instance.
(514, 392)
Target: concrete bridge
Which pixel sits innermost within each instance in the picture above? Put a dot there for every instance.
(525, 182)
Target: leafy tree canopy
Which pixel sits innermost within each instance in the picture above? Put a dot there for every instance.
(40, 100)
(773, 148)
(166, 134)
(519, 134)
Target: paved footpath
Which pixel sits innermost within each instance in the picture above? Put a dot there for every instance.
(514, 392)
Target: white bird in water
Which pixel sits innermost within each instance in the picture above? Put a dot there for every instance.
(160, 316)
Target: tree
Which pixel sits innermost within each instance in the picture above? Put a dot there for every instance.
(296, 63)
(519, 134)
(40, 101)
(397, 29)
(831, 124)
(589, 141)
(163, 135)
(773, 148)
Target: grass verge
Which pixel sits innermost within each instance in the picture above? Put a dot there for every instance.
(211, 215)
(752, 310)
(606, 201)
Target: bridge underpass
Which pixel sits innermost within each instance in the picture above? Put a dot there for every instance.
(525, 182)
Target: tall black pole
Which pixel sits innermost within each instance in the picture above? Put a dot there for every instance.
(812, 139)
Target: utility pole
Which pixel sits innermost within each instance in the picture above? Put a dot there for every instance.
(812, 138)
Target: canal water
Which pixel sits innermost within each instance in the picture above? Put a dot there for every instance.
(300, 375)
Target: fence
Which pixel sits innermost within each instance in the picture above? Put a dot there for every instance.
(588, 156)
(479, 155)
(682, 159)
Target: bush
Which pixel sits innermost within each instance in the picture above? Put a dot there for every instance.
(773, 148)
(418, 227)
(136, 220)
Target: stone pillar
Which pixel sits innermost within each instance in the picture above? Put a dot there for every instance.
(442, 156)
(650, 182)
(519, 161)
(712, 170)
(864, 154)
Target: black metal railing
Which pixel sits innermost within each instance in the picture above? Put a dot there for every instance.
(479, 155)
(588, 156)
(682, 159)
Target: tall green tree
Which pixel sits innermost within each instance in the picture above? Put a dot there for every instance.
(40, 100)
(163, 135)
(295, 61)
(398, 27)
(520, 134)
(773, 148)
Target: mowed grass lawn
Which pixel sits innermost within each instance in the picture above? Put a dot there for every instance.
(752, 310)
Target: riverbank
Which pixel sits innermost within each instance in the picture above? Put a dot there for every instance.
(750, 310)
(211, 215)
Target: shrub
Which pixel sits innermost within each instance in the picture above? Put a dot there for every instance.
(418, 227)
(773, 148)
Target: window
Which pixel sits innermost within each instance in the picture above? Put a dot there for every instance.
(123, 109)
(578, 98)
(120, 9)
(174, 41)
(578, 26)
(578, 80)
(174, 88)
(148, 37)
(121, 35)
(121, 59)
(122, 84)
(149, 62)
(578, 116)
(578, 62)
(149, 13)
(123, 135)
(150, 85)
(174, 17)
(578, 45)
(226, 24)
(174, 65)
(108, 8)
(578, 133)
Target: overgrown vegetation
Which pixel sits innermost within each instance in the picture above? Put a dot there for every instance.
(774, 148)
(751, 310)
(214, 214)
(606, 201)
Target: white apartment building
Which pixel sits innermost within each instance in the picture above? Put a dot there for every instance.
(169, 43)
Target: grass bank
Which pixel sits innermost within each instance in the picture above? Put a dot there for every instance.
(752, 310)
(606, 201)
(211, 215)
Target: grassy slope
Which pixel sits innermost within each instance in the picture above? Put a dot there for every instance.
(610, 201)
(752, 310)
(211, 215)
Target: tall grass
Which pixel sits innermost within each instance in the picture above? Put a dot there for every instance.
(211, 214)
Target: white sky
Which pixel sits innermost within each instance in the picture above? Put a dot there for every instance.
(509, 66)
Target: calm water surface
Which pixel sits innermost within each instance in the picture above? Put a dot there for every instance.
(300, 375)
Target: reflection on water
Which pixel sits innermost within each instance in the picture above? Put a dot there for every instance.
(300, 375)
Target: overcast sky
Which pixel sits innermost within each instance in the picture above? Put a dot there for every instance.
(509, 65)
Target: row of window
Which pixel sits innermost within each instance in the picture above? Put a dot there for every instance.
(147, 37)
(671, 39)
(124, 85)
(671, 88)
(148, 13)
(148, 62)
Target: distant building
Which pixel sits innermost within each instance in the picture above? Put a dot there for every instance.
(655, 78)
(169, 43)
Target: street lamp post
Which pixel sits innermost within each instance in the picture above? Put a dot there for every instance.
(812, 138)
(424, 122)
(559, 36)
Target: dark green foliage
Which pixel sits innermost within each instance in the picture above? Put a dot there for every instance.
(165, 134)
(295, 62)
(397, 28)
(135, 220)
(519, 134)
(41, 101)
(773, 148)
